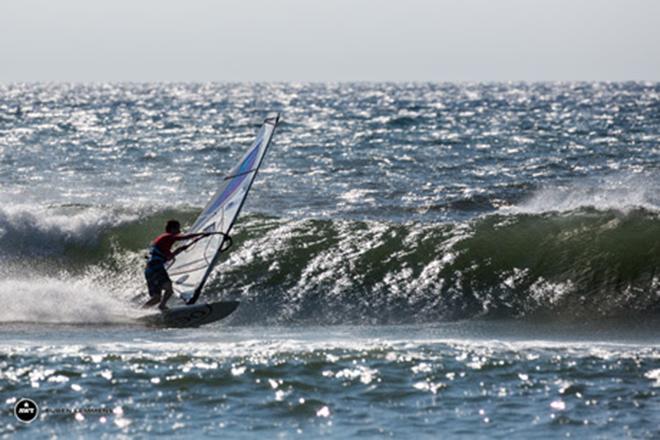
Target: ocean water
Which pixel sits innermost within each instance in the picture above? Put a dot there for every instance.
(431, 260)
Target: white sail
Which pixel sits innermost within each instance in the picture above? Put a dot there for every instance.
(192, 267)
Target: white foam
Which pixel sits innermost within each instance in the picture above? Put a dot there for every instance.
(46, 230)
(622, 192)
(61, 300)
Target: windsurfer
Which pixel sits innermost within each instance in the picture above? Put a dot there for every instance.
(161, 252)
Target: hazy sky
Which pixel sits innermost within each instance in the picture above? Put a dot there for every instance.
(330, 40)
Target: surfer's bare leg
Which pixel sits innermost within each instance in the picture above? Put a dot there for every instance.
(168, 293)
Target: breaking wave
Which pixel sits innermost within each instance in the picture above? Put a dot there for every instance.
(582, 263)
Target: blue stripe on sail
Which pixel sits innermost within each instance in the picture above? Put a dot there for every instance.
(235, 183)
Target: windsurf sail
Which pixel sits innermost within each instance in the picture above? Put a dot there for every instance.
(191, 268)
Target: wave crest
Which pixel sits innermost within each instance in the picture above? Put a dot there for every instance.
(584, 263)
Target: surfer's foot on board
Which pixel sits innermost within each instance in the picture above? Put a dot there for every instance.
(166, 296)
(163, 308)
